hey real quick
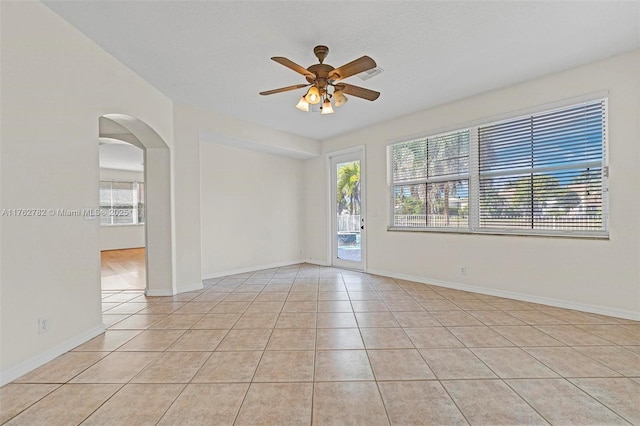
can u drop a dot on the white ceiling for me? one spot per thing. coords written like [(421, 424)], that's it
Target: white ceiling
[(215, 54), (116, 154)]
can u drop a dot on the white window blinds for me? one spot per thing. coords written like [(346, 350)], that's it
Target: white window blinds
[(544, 171), (430, 181), (121, 203)]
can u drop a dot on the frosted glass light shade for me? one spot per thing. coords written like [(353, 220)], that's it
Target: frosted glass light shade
[(326, 107), (303, 105), (313, 95), (339, 98)]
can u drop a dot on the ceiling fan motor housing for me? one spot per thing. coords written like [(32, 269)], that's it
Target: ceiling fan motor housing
[(321, 52), (321, 72)]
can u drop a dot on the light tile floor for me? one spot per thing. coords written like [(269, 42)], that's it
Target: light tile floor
[(312, 345)]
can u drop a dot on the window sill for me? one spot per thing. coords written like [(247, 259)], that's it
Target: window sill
[(595, 235), (437, 230), (115, 225)]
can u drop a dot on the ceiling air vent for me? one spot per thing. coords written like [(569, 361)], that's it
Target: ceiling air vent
[(366, 75)]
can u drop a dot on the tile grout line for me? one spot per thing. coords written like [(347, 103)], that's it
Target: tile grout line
[(456, 299)]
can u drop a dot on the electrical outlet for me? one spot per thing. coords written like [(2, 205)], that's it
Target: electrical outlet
[(43, 325), (462, 270)]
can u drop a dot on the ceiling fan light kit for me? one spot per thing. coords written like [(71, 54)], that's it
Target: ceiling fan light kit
[(326, 106), (313, 95), (339, 98), (303, 105), (326, 81)]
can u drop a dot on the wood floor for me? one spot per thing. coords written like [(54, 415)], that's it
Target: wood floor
[(123, 269)]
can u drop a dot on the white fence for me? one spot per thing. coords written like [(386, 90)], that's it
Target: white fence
[(563, 222), (348, 223), (431, 221), (351, 223), (560, 222)]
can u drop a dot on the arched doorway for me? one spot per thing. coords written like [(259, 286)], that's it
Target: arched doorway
[(157, 178), (122, 236)]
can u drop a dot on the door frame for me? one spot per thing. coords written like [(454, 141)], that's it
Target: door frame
[(331, 219)]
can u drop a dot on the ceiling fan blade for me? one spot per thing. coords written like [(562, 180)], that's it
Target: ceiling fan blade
[(362, 64), (357, 91), (292, 65), (284, 89)]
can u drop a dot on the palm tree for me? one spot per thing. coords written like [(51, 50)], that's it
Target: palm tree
[(443, 158), (348, 186)]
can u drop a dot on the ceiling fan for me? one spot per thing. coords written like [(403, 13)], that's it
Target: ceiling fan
[(326, 81)]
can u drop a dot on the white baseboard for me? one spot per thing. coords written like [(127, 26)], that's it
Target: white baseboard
[(39, 360), (252, 269), (193, 287), (158, 293), (317, 262), (161, 293), (559, 303)]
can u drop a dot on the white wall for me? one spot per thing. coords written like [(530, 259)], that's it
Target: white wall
[(602, 276), (190, 172), (121, 236), (55, 84), (251, 209), (123, 175)]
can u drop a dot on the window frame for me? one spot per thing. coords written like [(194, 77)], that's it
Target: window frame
[(428, 179), (474, 174)]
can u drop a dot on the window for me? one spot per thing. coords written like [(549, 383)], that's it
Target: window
[(121, 203), (543, 173), (430, 181)]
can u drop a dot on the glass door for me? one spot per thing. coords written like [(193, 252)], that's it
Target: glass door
[(347, 210)]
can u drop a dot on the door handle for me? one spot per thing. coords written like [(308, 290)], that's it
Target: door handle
[(362, 227)]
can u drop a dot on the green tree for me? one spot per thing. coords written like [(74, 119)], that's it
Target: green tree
[(541, 195), (446, 155), (569, 199), (348, 187), (409, 205)]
